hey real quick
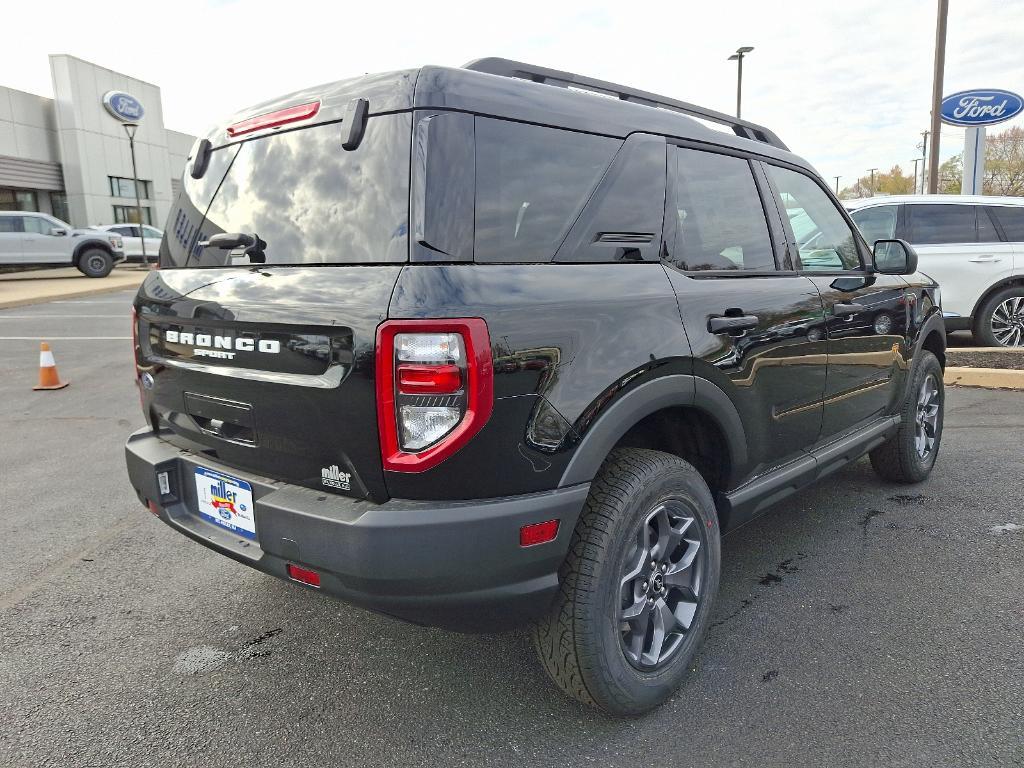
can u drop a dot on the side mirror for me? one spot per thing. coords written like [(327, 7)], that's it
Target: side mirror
[(58, 232), (895, 257)]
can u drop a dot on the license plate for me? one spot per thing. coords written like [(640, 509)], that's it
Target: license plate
[(226, 501)]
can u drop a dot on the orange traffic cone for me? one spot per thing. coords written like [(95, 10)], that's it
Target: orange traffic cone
[(48, 378)]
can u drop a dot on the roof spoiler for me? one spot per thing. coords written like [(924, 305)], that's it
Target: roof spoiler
[(522, 71)]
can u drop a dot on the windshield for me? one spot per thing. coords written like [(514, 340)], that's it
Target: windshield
[(303, 196)]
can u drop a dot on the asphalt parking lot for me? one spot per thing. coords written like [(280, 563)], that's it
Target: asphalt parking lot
[(859, 623)]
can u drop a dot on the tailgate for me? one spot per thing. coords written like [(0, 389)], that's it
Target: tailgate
[(269, 370)]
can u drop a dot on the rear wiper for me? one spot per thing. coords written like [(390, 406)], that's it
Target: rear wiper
[(254, 245)]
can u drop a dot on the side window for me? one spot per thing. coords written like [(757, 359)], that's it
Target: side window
[(720, 221), (531, 183), (37, 226), (153, 232), (824, 239), (934, 224), (1011, 219), (10, 224), (876, 223), (987, 232)]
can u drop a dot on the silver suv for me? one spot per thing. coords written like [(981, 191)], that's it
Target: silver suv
[(37, 239)]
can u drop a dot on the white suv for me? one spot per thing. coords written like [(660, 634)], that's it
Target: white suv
[(37, 239), (973, 246)]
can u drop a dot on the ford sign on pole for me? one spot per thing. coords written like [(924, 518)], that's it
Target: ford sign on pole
[(981, 107), (123, 106)]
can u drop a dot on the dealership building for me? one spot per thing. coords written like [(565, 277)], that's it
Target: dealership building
[(70, 156)]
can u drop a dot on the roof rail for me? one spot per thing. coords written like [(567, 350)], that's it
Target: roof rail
[(517, 69)]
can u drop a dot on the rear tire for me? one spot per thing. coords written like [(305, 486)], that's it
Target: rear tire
[(599, 641), (1000, 320), (95, 262), (909, 456)]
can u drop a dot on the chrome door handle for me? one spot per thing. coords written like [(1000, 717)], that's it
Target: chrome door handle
[(987, 258)]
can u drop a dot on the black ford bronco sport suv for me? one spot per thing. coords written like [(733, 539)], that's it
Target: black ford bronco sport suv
[(501, 344)]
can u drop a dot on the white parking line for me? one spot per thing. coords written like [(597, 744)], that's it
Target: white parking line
[(65, 338), (56, 317)]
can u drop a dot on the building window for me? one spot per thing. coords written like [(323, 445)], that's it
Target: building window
[(59, 206), (129, 214), (18, 200), (120, 187)]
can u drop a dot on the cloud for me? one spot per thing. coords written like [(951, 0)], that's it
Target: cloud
[(846, 85)]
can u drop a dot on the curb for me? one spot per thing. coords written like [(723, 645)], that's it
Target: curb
[(988, 378), (69, 293)]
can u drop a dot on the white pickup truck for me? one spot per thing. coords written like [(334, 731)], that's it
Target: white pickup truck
[(37, 239)]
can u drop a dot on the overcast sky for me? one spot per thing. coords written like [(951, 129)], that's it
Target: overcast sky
[(845, 83)]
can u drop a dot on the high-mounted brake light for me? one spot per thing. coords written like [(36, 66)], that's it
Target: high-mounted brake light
[(435, 389), (274, 119)]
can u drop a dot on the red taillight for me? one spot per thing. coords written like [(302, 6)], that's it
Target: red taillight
[(538, 533), (304, 575), (274, 119), (429, 379), (435, 389)]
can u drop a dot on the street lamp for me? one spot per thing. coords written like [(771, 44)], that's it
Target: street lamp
[(130, 129), (738, 58)]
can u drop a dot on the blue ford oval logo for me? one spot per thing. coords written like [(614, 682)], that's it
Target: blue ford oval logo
[(123, 106), (981, 107)]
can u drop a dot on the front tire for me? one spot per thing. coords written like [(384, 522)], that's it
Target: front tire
[(95, 263), (909, 456), (1000, 320), (637, 587)]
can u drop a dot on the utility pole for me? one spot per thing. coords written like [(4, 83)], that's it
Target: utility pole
[(940, 66), (872, 170), (130, 129), (738, 58), (837, 185), (924, 156)]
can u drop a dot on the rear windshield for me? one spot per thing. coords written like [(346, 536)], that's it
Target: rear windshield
[(308, 199)]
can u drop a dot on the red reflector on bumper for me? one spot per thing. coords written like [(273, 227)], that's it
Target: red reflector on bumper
[(153, 508), (538, 533), (304, 575)]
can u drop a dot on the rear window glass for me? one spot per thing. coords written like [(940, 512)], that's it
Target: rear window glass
[(308, 199), (936, 224), (531, 184), (1011, 220)]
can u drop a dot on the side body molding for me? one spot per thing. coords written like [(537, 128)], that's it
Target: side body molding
[(665, 392)]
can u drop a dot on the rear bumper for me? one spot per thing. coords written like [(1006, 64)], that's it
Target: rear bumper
[(456, 565)]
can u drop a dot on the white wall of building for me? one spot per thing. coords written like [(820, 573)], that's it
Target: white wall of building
[(94, 146), (27, 126)]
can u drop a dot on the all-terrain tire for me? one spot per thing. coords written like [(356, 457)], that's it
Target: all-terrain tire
[(95, 262), (899, 459), (579, 639)]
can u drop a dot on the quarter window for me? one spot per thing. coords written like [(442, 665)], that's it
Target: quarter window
[(531, 184), (720, 222), (825, 240), (933, 224), (878, 223)]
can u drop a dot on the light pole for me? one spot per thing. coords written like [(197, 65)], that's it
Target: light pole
[(130, 129), (738, 58), (872, 170), (916, 160), (837, 185)]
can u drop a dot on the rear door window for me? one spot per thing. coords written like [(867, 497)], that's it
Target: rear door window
[(720, 221), (531, 184), (307, 198), (10, 224), (937, 224), (876, 223)]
